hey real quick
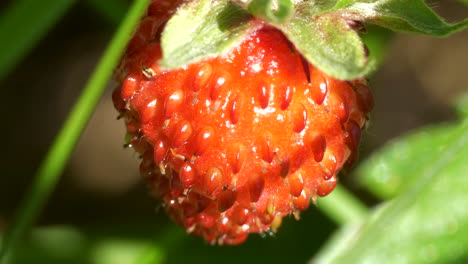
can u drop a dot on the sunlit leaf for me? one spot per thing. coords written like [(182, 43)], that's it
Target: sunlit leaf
[(428, 223), (389, 171), (271, 11), (413, 16), (202, 29), (462, 106), (329, 43)]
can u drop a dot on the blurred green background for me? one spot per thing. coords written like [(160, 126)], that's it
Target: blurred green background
[(101, 212)]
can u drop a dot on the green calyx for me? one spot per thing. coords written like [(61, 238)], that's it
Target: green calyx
[(203, 29), (267, 10), (322, 30)]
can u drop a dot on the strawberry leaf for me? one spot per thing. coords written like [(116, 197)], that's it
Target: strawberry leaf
[(401, 15), (201, 29), (23, 24), (111, 10), (462, 106), (272, 11), (428, 223), (391, 170), (330, 44), (377, 39)]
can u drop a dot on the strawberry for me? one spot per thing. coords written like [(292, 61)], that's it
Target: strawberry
[(234, 143)]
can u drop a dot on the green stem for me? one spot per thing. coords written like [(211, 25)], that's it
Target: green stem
[(51, 168), (342, 206)]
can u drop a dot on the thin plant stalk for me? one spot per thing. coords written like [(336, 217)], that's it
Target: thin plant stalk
[(342, 206), (54, 163)]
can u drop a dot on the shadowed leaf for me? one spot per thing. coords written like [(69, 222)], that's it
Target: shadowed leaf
[(23, 24)]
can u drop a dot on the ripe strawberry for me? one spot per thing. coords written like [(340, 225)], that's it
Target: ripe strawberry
[(235, 143)]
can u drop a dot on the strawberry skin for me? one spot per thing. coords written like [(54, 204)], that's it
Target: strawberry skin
[(233, 144)]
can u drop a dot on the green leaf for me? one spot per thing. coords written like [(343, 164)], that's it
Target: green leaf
[(393, 168), (329, 43), (426, 224), (135, 242), (272, 11), (112, 10), (377, 39), (201, 29), (401, 15), (462, 106), (316, 7), (23, 24), (52, 166), (125, 251)]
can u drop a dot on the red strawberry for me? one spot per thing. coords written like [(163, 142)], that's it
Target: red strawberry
[(235, 143)]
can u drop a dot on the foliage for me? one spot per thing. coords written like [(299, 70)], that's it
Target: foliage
[(426, 222), (319, 30), (421, 176)]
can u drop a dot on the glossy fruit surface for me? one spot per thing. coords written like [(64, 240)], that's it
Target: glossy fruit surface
[(235, 143)]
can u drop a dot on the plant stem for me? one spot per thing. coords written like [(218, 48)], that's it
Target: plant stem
[(52, 166), (342, 206)]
